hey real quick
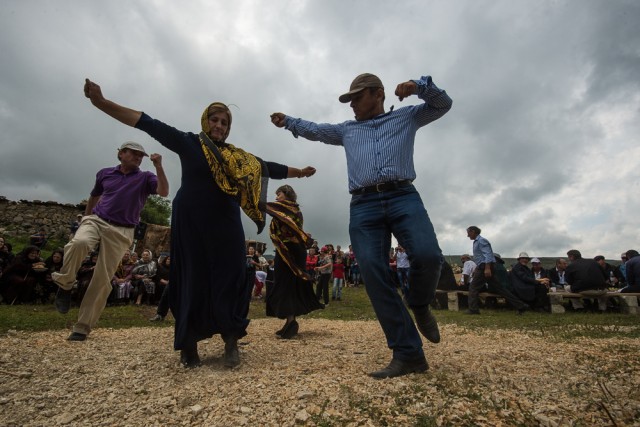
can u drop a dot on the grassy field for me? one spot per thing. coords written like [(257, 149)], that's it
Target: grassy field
[(355, 305)]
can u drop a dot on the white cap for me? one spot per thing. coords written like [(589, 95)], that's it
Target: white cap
[(133, 146)]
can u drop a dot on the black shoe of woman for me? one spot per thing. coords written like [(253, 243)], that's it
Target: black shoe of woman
[(290, 331), (281, 330), (231, 357), (189, 357)]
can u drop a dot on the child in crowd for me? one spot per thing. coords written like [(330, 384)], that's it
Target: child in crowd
[(338, 279)]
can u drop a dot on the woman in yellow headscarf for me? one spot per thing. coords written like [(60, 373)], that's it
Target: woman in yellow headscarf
[(208, 293)]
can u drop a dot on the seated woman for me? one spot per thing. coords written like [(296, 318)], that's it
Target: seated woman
[(84, 276), (161, 279), (143, 273), (121, 281), (19, 280), (47, 286), (5, 255)]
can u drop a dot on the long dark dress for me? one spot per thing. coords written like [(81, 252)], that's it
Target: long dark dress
[(290, 295), (207, 295)]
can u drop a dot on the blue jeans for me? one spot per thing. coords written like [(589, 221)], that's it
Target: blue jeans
[(403, 279), (373, 218), (337, 288)]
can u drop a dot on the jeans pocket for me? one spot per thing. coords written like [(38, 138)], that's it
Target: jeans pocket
[(355, 199)]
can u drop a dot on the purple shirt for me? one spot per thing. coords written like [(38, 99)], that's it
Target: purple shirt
[(122, 196)]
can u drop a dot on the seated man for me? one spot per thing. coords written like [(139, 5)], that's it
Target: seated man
[(608, 271), (38, 239), (468, 267), (632, 272), (556, 274), (620, 271), (75, 224), (539, 272), (529, 289), (585, 276)]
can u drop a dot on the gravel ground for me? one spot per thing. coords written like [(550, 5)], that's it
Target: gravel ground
[(489, 378)]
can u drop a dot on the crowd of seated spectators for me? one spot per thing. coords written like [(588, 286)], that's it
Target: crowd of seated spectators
[(25, 278), (590, 277)]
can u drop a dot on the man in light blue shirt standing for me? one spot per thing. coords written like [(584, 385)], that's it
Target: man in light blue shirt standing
[(379, 149), (485, 274)]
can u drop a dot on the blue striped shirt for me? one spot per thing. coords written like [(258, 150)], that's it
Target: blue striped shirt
[(482, 252), (379, 149)]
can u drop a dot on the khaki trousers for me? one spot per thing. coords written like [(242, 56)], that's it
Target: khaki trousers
[(114, 241)]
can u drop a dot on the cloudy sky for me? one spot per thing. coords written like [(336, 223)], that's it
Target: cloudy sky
[(541, 148)]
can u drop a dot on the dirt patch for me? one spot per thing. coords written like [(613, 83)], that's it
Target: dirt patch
[(132, 378)]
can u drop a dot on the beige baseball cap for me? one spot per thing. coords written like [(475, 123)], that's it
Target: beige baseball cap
[(361, 82)]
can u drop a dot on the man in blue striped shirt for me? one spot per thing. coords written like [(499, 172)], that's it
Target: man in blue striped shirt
[(379, 149)]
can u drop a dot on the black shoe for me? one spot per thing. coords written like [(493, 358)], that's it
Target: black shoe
[(522, 309), (281, 330), (231, 353), (291, 330), (190, 358), (63, 301), (401, 367), (157, 318), (472, 312), (77, 336), (427, 324)]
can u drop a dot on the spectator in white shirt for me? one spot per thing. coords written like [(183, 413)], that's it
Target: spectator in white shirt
[(468, 267)]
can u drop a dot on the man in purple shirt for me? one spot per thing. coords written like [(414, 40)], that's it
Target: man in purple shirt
[(112, 212)]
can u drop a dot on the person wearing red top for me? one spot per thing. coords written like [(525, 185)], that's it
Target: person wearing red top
[(312, 262), (338, 279)]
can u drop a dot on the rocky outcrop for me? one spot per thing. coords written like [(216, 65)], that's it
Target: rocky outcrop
[(27, 217)]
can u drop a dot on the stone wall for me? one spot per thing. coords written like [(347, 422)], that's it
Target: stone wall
[(27, 217), (156, 238)]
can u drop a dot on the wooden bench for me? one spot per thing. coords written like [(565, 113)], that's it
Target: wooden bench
[(628, 301), (453, 298)]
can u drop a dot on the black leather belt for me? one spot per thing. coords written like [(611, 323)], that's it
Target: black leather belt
[(383, 186), (117, 224)]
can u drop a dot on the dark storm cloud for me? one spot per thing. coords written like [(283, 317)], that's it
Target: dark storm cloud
[(546, 100)]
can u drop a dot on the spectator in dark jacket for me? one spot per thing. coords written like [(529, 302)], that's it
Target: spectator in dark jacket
[(633, 272), (585, 276), (529, 289), (608, 270), (557, 274)]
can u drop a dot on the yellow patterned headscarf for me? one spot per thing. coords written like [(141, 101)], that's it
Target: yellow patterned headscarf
[(235, 171)]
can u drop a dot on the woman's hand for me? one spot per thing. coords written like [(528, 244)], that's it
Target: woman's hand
[(93, 92)]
